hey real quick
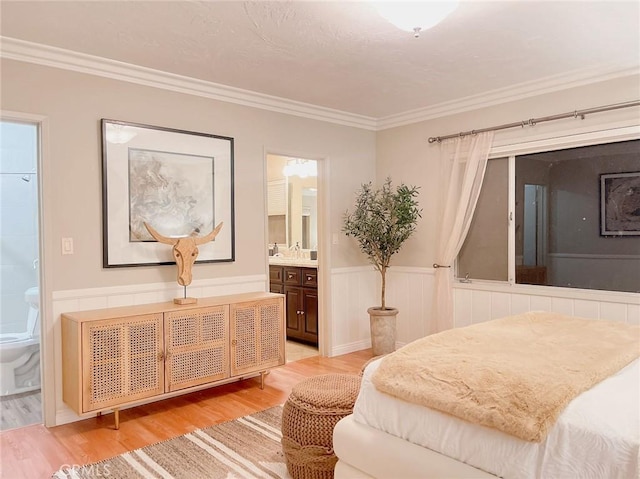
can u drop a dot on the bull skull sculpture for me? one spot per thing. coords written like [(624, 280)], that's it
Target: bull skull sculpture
[(185, 250)]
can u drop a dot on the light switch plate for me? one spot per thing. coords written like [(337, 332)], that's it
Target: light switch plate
[(67, 245)]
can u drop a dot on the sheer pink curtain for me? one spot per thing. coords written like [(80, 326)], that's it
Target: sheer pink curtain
[(463, 163)]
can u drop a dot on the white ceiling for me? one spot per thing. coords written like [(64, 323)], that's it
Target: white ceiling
[(342, 55)]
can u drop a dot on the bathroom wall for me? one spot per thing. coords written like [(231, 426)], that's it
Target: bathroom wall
[(18, 222)]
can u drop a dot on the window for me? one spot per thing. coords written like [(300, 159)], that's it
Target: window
[(568, 218), (484, 254)]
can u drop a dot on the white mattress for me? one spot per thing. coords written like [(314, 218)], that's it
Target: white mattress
[(596, 436)]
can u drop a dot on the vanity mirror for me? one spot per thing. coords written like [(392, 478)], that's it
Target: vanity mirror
[(292, 202)]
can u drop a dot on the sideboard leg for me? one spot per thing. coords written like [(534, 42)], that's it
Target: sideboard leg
[(263, 374), (99, 414), (116, 417)]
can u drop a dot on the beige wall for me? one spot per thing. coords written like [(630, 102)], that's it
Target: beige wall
[(74, 103), (405, 154)]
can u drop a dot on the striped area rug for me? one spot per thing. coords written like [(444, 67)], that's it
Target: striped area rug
[(248, 447)]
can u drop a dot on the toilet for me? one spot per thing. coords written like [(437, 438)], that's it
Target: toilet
[(20, 352)]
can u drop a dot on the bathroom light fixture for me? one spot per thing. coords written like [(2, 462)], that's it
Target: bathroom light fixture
[(300, 167), (415, 16), (119, 134)]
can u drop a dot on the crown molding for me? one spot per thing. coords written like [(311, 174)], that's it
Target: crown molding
[(520, 91), (21, 50)]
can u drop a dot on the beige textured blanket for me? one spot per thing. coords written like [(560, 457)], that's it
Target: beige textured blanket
[(515, 374)]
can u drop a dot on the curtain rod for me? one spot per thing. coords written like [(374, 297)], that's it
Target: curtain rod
[(533, 121)]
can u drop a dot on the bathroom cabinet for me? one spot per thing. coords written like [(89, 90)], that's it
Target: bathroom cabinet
[(276, 275), (124, 356), (300, 287)]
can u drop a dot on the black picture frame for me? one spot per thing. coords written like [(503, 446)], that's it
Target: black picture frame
[(620, 204), (181, 182)]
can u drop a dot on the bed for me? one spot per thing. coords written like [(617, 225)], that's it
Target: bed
[(597, 435)]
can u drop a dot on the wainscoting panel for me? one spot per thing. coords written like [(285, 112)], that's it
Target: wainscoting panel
[(410, 290), (481, 302), (520, 303), (354, 290), (614, 311), (586, 309), (478, 302), (540, 303), (562, 306), (633, 313), (463, 307)]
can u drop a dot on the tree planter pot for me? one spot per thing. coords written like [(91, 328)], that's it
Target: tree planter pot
[(383, 330)]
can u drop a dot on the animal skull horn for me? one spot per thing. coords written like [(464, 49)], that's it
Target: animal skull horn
[(210, 237), (185, 250)]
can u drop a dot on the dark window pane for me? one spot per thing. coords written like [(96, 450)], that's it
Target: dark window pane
[(484, 254), (559, 241)]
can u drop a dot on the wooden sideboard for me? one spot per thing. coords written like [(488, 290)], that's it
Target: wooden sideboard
[(123, 356), (300, 287)]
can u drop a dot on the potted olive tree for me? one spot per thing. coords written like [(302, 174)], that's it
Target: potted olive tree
[(382, 220)]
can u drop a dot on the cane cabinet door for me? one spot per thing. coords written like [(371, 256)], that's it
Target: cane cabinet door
[(197, 346), (122, 360), (257, 335)]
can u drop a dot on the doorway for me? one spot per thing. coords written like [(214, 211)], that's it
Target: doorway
[(20, 375), (292, 218)]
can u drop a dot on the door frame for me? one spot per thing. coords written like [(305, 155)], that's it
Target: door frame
[(47, 340), (324, 243)]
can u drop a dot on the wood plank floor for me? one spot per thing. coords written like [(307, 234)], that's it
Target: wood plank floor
[(297, 351), (19, 410), (37, 451)]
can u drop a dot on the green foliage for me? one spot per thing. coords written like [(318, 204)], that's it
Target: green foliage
[(382, 220)]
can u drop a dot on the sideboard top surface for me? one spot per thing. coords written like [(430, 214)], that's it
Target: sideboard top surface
[(165, 307)]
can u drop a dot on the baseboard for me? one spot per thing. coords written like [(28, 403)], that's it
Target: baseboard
[(350, 347)]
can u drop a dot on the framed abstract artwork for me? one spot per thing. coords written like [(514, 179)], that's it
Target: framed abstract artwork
[(620, 204), (179, 182)]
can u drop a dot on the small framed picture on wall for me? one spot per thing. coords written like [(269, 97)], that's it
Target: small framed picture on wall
[(620, 204)]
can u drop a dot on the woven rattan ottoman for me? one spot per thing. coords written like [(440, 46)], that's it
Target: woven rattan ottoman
[(314, 407)]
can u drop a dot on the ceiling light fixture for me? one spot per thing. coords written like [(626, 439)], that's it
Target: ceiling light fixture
[(301, 168), (415, 16)]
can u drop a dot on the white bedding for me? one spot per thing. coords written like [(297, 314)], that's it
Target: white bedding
[(596, 436)]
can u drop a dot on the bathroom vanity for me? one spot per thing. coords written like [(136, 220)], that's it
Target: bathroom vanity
[(298, 281)]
